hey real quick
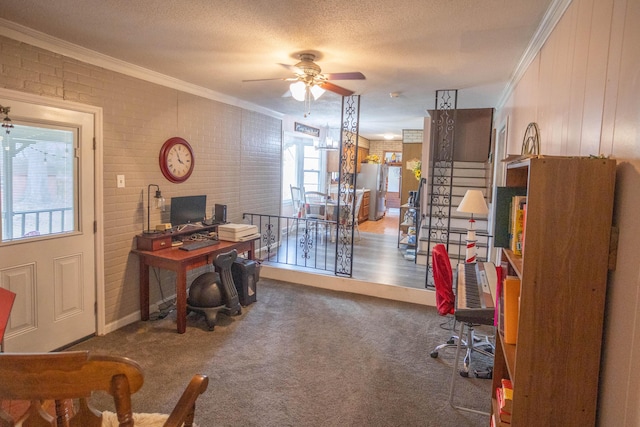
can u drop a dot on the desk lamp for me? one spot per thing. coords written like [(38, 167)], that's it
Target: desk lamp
[(473, 203), (159, 204)]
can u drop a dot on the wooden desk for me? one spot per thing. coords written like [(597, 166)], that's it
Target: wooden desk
[(181, 261)]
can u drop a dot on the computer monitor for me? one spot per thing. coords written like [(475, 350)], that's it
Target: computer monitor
[(188, 209)]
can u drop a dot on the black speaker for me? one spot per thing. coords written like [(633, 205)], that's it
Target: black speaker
[(220, 214), (246, 274)]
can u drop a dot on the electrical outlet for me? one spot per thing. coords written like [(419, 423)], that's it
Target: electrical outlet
[(120, 179)]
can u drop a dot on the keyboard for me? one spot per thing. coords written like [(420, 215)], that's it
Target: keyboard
[(474, 302), (198, 244)]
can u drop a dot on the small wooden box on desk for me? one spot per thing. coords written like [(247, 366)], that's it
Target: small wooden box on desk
[(162, 239), (555, 363)]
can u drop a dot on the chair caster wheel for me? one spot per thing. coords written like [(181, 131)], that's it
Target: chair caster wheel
[(451, 341), (434, 354), (487, 375), (464, 374)]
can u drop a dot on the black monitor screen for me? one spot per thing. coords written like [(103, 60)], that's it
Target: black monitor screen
[(188, 209)]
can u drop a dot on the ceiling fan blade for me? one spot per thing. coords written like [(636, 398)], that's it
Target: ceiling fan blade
[(264, 80), (356, 75), (335, 88), (291, 68)]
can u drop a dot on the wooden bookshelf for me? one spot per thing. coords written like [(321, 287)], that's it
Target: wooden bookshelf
[(555, 364)]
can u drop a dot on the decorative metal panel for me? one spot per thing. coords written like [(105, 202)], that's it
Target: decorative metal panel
[(347, 184), (441, 173)]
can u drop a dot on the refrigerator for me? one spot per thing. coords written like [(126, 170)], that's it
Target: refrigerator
[(374, 177)]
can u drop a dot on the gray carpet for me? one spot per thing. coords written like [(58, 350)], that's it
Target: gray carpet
[(303, 356)]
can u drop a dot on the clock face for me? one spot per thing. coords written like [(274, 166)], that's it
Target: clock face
[(176, 159)]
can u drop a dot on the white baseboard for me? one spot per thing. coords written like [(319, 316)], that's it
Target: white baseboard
[(345, 284)]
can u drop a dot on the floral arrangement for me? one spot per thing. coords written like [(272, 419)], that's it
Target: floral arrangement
[(372, 158), (417, 170)]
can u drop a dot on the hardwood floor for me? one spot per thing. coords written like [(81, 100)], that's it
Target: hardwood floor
[(378, 259)]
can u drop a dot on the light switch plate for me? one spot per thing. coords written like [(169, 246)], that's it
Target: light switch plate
[(120, 179)]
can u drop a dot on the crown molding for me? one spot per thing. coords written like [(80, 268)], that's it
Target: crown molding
[(36, 38), (549, 21)]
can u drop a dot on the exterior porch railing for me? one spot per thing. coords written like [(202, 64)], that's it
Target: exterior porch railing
[(37, 222)]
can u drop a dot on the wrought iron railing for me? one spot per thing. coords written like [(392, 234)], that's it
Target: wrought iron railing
[(301, 242), (37, 222)]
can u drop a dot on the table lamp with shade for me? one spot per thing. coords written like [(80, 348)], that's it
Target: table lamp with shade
[(473, 202)]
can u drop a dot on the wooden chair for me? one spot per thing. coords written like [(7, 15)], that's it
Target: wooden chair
[(316, 208), (349, 212), (71, 377), (6, 303), (316, 204), (297, 200), (356, 210)]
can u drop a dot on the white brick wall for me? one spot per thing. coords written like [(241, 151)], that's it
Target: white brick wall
[(380, 146), (237, 153)]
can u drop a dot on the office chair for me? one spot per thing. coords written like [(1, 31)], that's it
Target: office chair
[(214, 292), (446, 303), (445, 298)]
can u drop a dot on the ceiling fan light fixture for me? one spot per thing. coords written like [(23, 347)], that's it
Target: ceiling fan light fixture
[(316, 91), (298, 90)]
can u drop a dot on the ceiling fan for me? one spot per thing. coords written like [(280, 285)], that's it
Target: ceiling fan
[(309, 81)]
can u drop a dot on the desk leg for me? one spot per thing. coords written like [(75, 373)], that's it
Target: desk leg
[(251, 250), (144, 290), (181, 300)]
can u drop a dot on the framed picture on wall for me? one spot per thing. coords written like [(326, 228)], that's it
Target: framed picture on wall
[(391, 157)]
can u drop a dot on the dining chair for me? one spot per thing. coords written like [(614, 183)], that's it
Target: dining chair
[(316, 204), (316, 208), (356, 210), (6, 303), (297, 200), (346, 218)]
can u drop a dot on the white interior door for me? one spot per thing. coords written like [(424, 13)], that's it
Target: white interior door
[(47, 250)]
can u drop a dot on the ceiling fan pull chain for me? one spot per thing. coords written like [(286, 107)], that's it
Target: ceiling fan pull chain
[(307, 102)]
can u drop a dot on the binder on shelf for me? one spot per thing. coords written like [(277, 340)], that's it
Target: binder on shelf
[(511, 298)]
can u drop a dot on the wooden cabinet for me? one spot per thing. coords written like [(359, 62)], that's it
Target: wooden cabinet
[(362, 154), (408, 181), (363, 214), (333, 159), (555, 362)]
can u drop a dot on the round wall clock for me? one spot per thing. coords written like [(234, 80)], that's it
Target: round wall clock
[(176, 159)]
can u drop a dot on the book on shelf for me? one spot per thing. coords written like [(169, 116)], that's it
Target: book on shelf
[(504, 397), (517, 223), (507, 389), (524, 226), (504, 415), (511, 308)]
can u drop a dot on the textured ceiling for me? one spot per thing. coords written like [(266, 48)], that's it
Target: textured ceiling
[(409, 47)]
